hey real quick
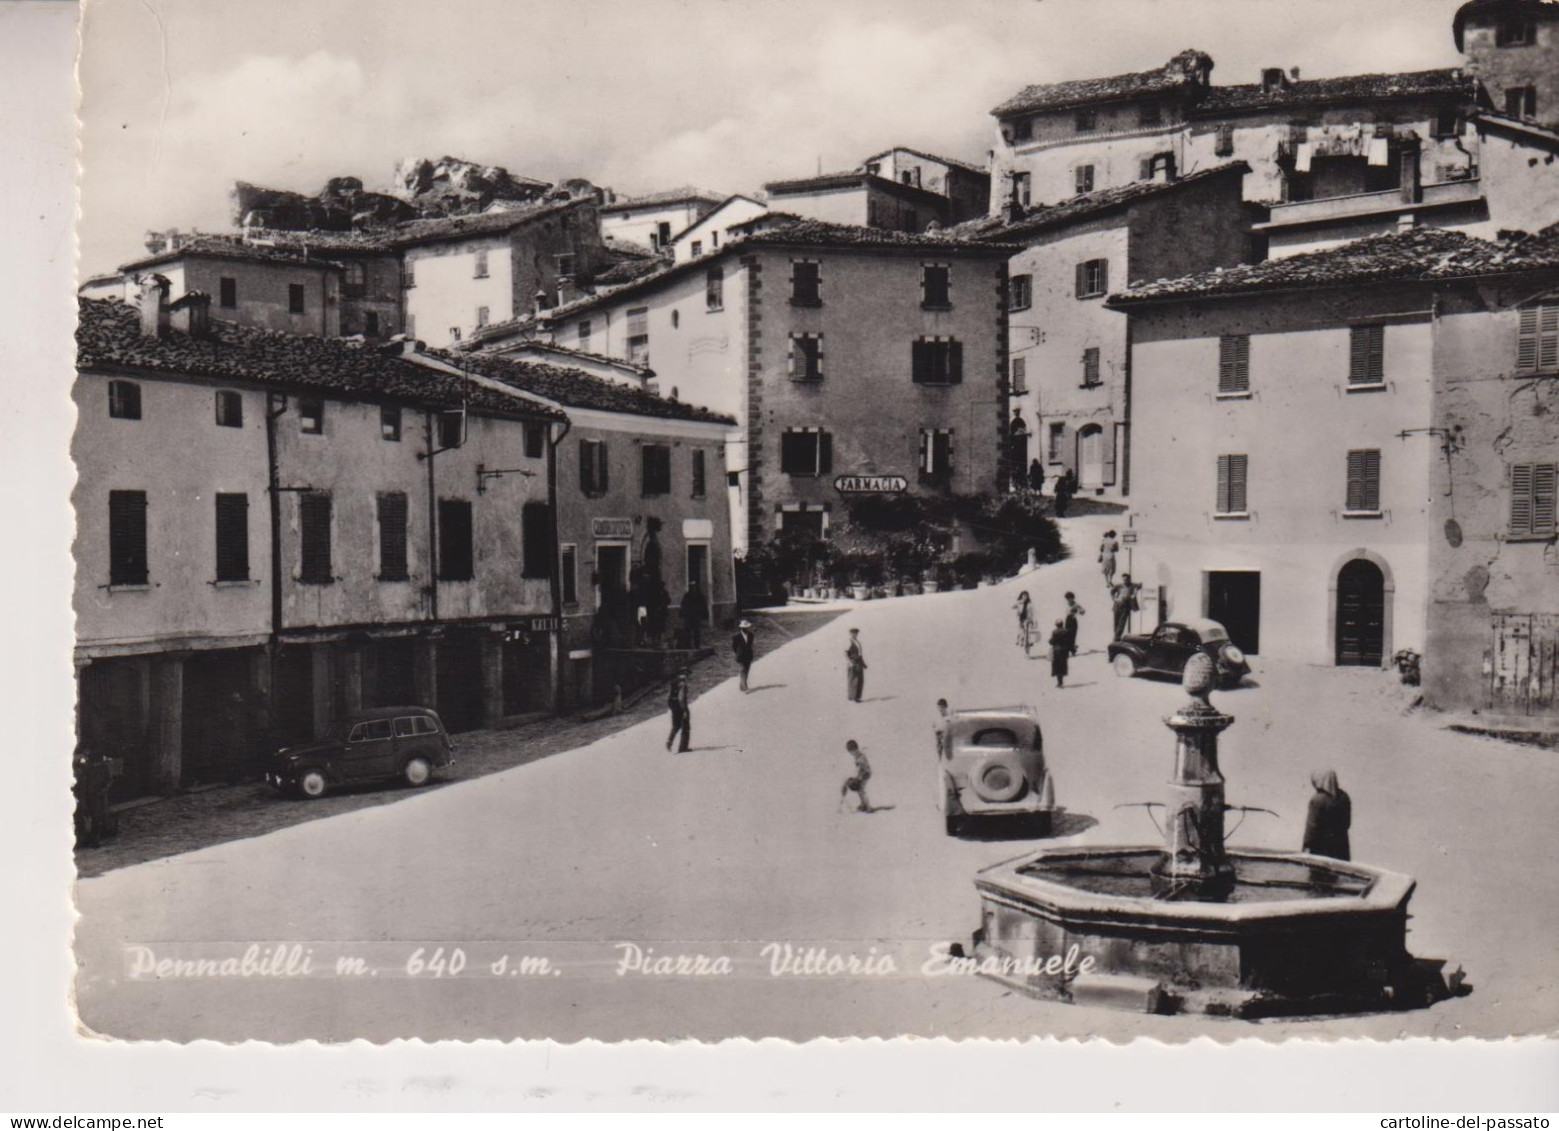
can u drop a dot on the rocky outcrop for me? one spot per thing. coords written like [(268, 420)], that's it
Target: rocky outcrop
[(450, 186), (343, 205)]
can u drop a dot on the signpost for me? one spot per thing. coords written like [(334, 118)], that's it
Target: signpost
[(871, 484)]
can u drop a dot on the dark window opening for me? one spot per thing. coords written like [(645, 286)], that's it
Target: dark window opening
[(806, 452), (570, 575), (295, 301), (535, 439), (536, 551), (936, 286), (593, 479), (390, 422), (311, 415), (456, 557), (806, 357), (655, 469), (451, 427), (124, 400), (230, 409), (371, 324), (127, 538), (699, 473), (806, 283), (314, 529), (1087, 120), (227, 292), (392, 537), (937, 361), (232, 537)]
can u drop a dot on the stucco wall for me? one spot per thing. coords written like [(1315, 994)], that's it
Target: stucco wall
[(181, 602), (836, 206), (641, 224), (381, 295), (1116, 149), (714, 229), (1520, 182), (1478, 572), (1535, 64), (263, 293), (448, 292), (1296, 535)]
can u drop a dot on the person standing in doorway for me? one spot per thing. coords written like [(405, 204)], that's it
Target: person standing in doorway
[(681, 712), (1123, 599), (1073, 611), (1063, 492), (1108, 549), (692, 612), (857, 781), (742, 647), (1329, 818), (855, 677), (1060, 650), (1036, 476)]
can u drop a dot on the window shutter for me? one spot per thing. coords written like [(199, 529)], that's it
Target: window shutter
[(392, 536), (1104, 276), (790, 359), (1538, 342), (955, 362), (1234, 363), (586, 468), (1372, 480), (925, 450), (314, 528), (1544, 476), (603, 467), (1082, 279), (920, 358), (825, 453), (1223, 485), (1145, 172), (788, 453), (1521, 499), (127, 538), (1358, 356), (1363, 480), (1237, 477), (232, 515)]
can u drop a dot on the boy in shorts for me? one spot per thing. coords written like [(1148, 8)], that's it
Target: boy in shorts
[(857, 782)]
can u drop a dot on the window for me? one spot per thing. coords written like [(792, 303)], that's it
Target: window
[(584, 334), (1234, 365), (1537, 341), (1521, 102), (1054, 441), (392, 536), (456, 560), (570, 558), (454, 333), (1020, 376), (1091, 367), (806, 451), (1232, 475), (1093, 278), (1087, 120), (714, 288), (536, 549), (1023, 129), (806, 357), (911, 220), (124, 400), (311, 415), (409, 275), (354, 279), (390, 422), (1149, 114), (700, 473), (1363, 482), (127, 538), (936, 286), (1159, 163), (1020, 292), (937, 361), (232, 537), (227, 292), (676, 319), (371, 324), (451, 427), (1447, 122), (483, 316), (698, 248), (408, 725), (806, 283), (663, 230), (481, 264), (1366, 355), (936, 455), (314, 566), (1515, 33), (593, 466), (566, 264), (1082, 178), (655, 469), (1532, 488), (1022, 188), (535, 439), (375, 730), (714, 239), (639, 335), (230, 408), (1223, 144), (295, 302)]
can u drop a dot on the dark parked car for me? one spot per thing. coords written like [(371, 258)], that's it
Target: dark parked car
[(387, 742), (1166, 650)]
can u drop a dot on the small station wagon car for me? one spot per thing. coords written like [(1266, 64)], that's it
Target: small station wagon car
[(1166, 650), (386, 742), (992, 763)]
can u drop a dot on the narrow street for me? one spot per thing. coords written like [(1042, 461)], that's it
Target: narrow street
[(741, 841)]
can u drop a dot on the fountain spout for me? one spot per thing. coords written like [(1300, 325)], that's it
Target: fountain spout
[(1195, 864)]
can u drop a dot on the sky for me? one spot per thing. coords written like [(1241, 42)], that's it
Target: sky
[(181, 98)]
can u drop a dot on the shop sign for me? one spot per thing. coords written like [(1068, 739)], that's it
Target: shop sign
[(618, 528), (871, 484)]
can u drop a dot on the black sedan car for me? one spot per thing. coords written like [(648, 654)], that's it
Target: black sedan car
[(1166, 650), (408, 743)]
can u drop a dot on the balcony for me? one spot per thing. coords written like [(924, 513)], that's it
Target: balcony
[(1468, 193)]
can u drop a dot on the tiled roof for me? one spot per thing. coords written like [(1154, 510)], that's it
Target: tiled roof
[(841, 179), (628, 249), (667, 196), (228, 247), (108, 335), (952, 161), (1174, 75), (1421, 255), (1347, 89), (574, 388), (480, 224), (564, 353), (320, 241), (627, 270), (1046, 216)]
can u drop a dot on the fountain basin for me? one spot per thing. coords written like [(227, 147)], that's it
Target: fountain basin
[(1296, 934)]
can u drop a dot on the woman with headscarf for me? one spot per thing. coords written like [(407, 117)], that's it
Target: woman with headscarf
[(1060, 651), (1330, 815)]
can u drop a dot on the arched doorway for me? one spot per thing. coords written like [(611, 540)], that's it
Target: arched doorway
[(1361, 614), (1090, 456)]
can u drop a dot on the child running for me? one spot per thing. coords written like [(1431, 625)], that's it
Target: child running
[(857, 782)]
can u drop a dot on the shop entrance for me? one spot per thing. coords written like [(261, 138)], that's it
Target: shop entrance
[(1234, 601)]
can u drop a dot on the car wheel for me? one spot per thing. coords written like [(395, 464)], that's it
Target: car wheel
[(313, 783), (1124, 666), (417, 771)]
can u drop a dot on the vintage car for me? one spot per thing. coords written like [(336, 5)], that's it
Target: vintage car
[(408, 743), (1166, 649), (992, 763)]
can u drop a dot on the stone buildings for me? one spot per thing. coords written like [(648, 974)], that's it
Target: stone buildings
[(899, 189), (855, 359), (655, 219)]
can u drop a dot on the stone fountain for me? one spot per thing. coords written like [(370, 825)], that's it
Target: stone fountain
[(1191, 926)]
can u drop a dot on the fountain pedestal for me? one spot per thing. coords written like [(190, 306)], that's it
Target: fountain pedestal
[(1195, 863)]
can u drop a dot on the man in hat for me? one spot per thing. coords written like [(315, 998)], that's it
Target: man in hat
[(855, 679), (742, 646), (681, 711)]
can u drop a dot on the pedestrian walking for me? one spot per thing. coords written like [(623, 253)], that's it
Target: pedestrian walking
[(1330, 815), (857, 781), (855, 679), (1108, 549), (742, 647), (692, 612), (940, 727), (1025, 610), (1060, 650), (1123, 599), (681, 712), (1064, 489), (1036, 476), (1073, 611)]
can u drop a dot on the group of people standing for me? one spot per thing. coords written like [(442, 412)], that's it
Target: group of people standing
[(1063, 638), (1064, 488)]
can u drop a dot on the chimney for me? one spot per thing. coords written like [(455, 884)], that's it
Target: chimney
[(569, 289), (154, 306), (1273, 78), (542, 302), (1293, 74), (192, 314), (1412, 191)]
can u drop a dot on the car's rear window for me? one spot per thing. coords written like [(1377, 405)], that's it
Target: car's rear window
[(369, 731), (414, 724), (994, 736)]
